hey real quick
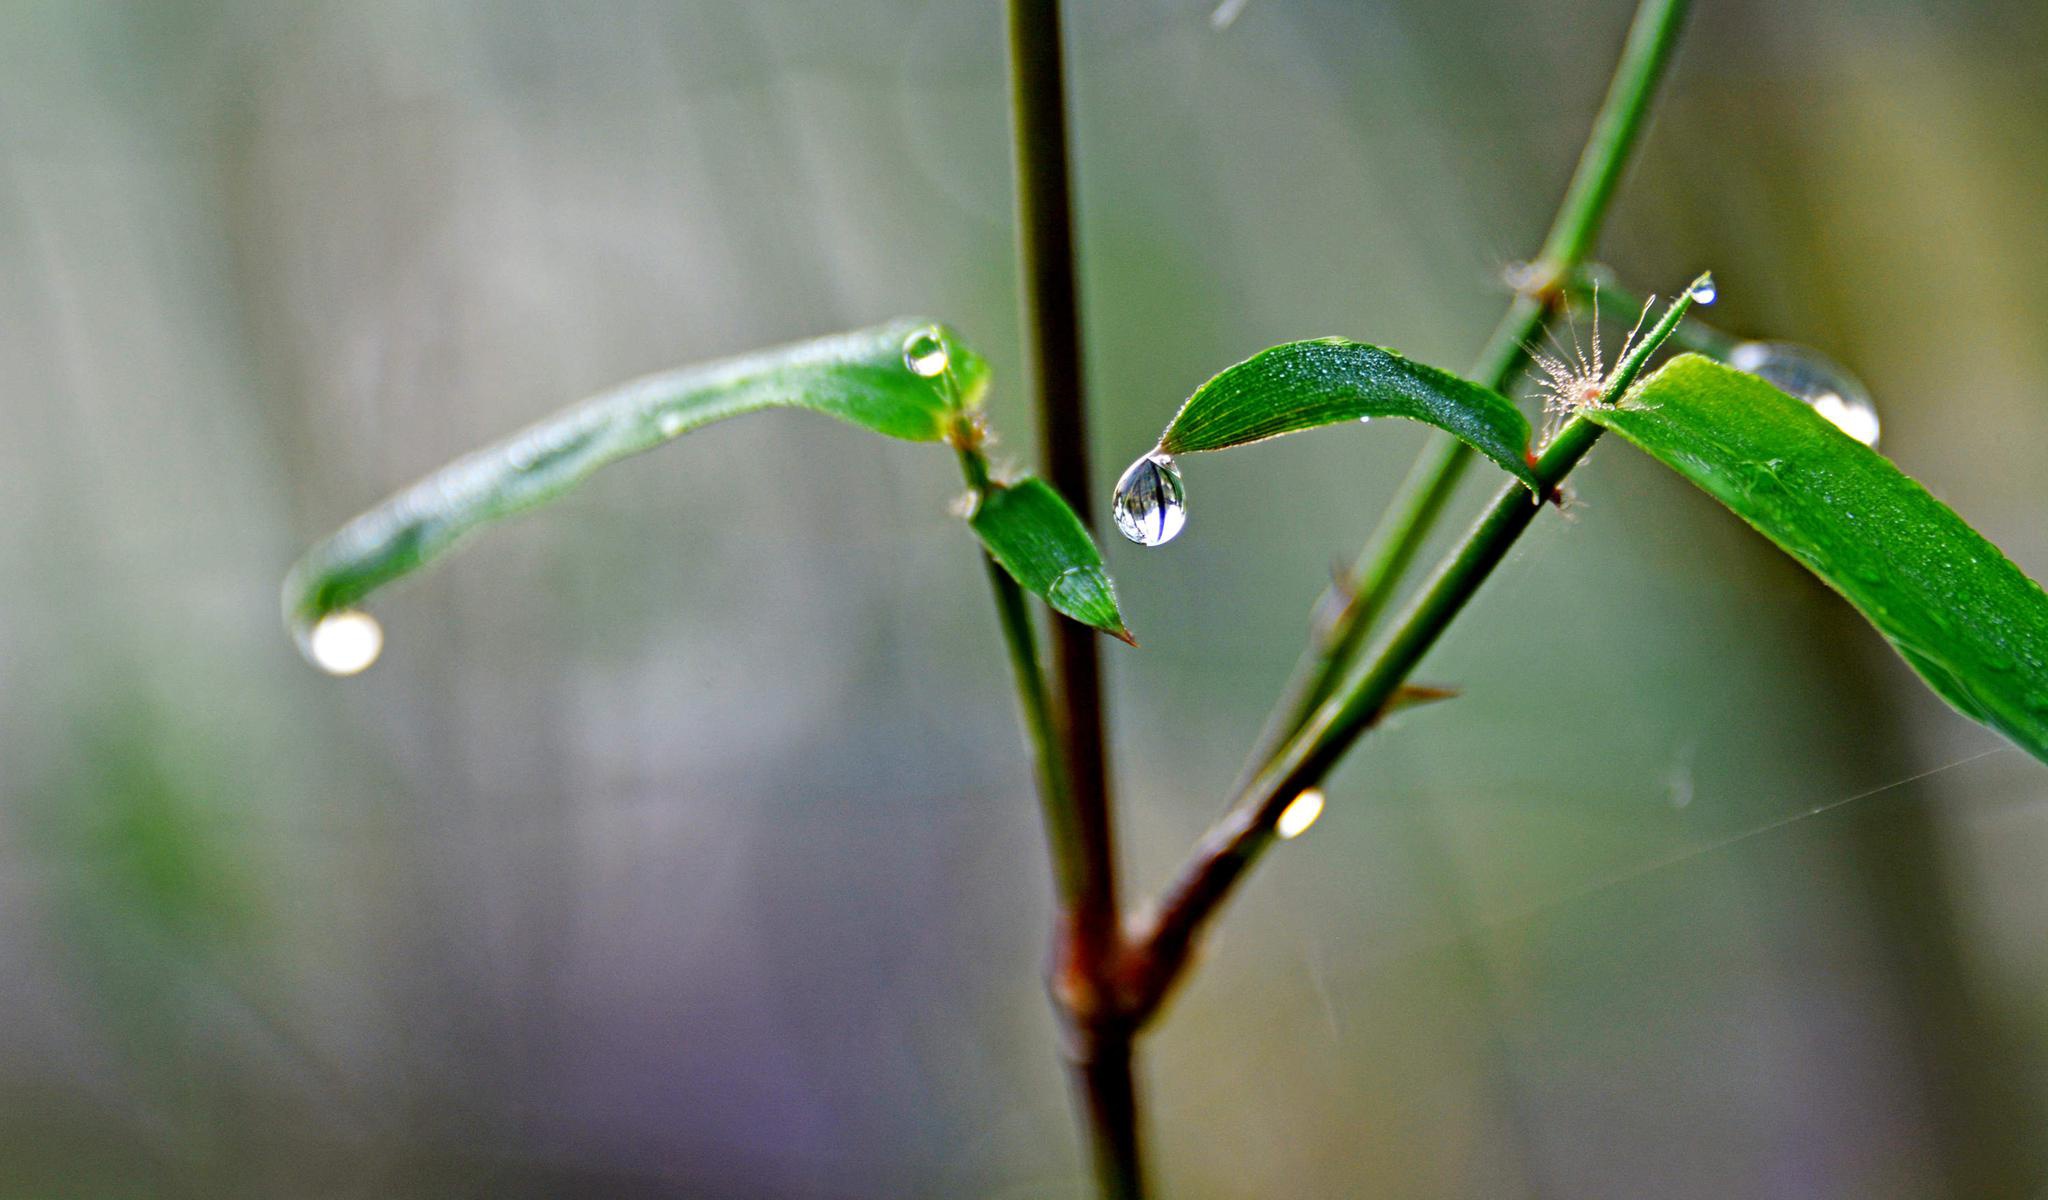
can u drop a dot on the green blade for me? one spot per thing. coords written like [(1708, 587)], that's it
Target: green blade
[(1969, 621), (1031, 531), (857, 377), (1303, 385)]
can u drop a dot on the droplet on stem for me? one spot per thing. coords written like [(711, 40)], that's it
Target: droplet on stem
[(345, 642), (1300, 813), (924, 352), (1702, 290), (1150, 504), (1807, 374)]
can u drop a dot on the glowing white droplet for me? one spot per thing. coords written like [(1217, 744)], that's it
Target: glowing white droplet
[(1702, 290), (345, 643), (1859, 421), (1300, 813), (670, 423), (1150, 504), (924, 352), (1807, 374)]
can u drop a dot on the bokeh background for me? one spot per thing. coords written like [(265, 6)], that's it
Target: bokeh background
[(682, 843)]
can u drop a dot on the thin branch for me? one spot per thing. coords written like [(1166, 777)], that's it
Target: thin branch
[(1357, 603), (1089, 940), (1052, 321), (1013, 613), (1169, 930)]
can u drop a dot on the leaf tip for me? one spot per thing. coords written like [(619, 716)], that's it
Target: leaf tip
[(1414, 695)]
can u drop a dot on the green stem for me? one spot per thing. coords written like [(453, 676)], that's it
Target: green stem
[(1034, 706), (1247, 828), (1089, 939), (1415, 510), (1651, 39)]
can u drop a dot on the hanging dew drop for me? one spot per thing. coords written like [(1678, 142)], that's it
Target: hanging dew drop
[(670, 423), (924, 352), (1807, 374), (1702, 290), (1151, 504), (345, 643)]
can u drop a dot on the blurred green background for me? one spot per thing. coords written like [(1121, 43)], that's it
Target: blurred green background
[(682, 843)]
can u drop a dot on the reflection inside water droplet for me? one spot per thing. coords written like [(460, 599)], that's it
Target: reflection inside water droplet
[(1702, 290), (670, 423), (924, 352), (1807, 374), (1300, 813), (1150, 505), (345, 643)]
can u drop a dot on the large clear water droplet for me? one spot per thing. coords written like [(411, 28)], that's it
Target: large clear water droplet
[(924, 352), (345, 643), (1150, 504), (1702, 290), (1807, 374)]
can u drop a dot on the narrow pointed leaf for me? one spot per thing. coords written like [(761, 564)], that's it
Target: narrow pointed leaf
[(1032, 532), (1968, 620), (1303, 385), (857, 377)]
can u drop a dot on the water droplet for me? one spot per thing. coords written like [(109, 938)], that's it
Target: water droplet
[(1365, 420), (345, 642), (1300, 813), (1809, 375), (670, 423), (1150, 504), (924, 352), (1702, 290)]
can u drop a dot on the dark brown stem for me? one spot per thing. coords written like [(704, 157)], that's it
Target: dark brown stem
[(1088, 935)]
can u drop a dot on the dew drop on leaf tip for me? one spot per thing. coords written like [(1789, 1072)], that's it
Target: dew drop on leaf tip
[(1702, 290), (924, 352), (1150, 504), (1808, 375), (345, 642)]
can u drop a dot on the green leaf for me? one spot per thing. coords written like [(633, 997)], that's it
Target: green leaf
[(857, 377), (1031, 531), (1303, 385), (1969, 621)]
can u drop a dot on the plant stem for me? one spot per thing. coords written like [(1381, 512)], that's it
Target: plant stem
[(1415, 510), (1013, 613), (1089, 940), (1161, 947)]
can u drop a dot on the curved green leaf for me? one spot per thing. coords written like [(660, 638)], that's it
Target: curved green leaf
[(1969, 621), (1029, 529), (857, 377), (1303, 385)]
